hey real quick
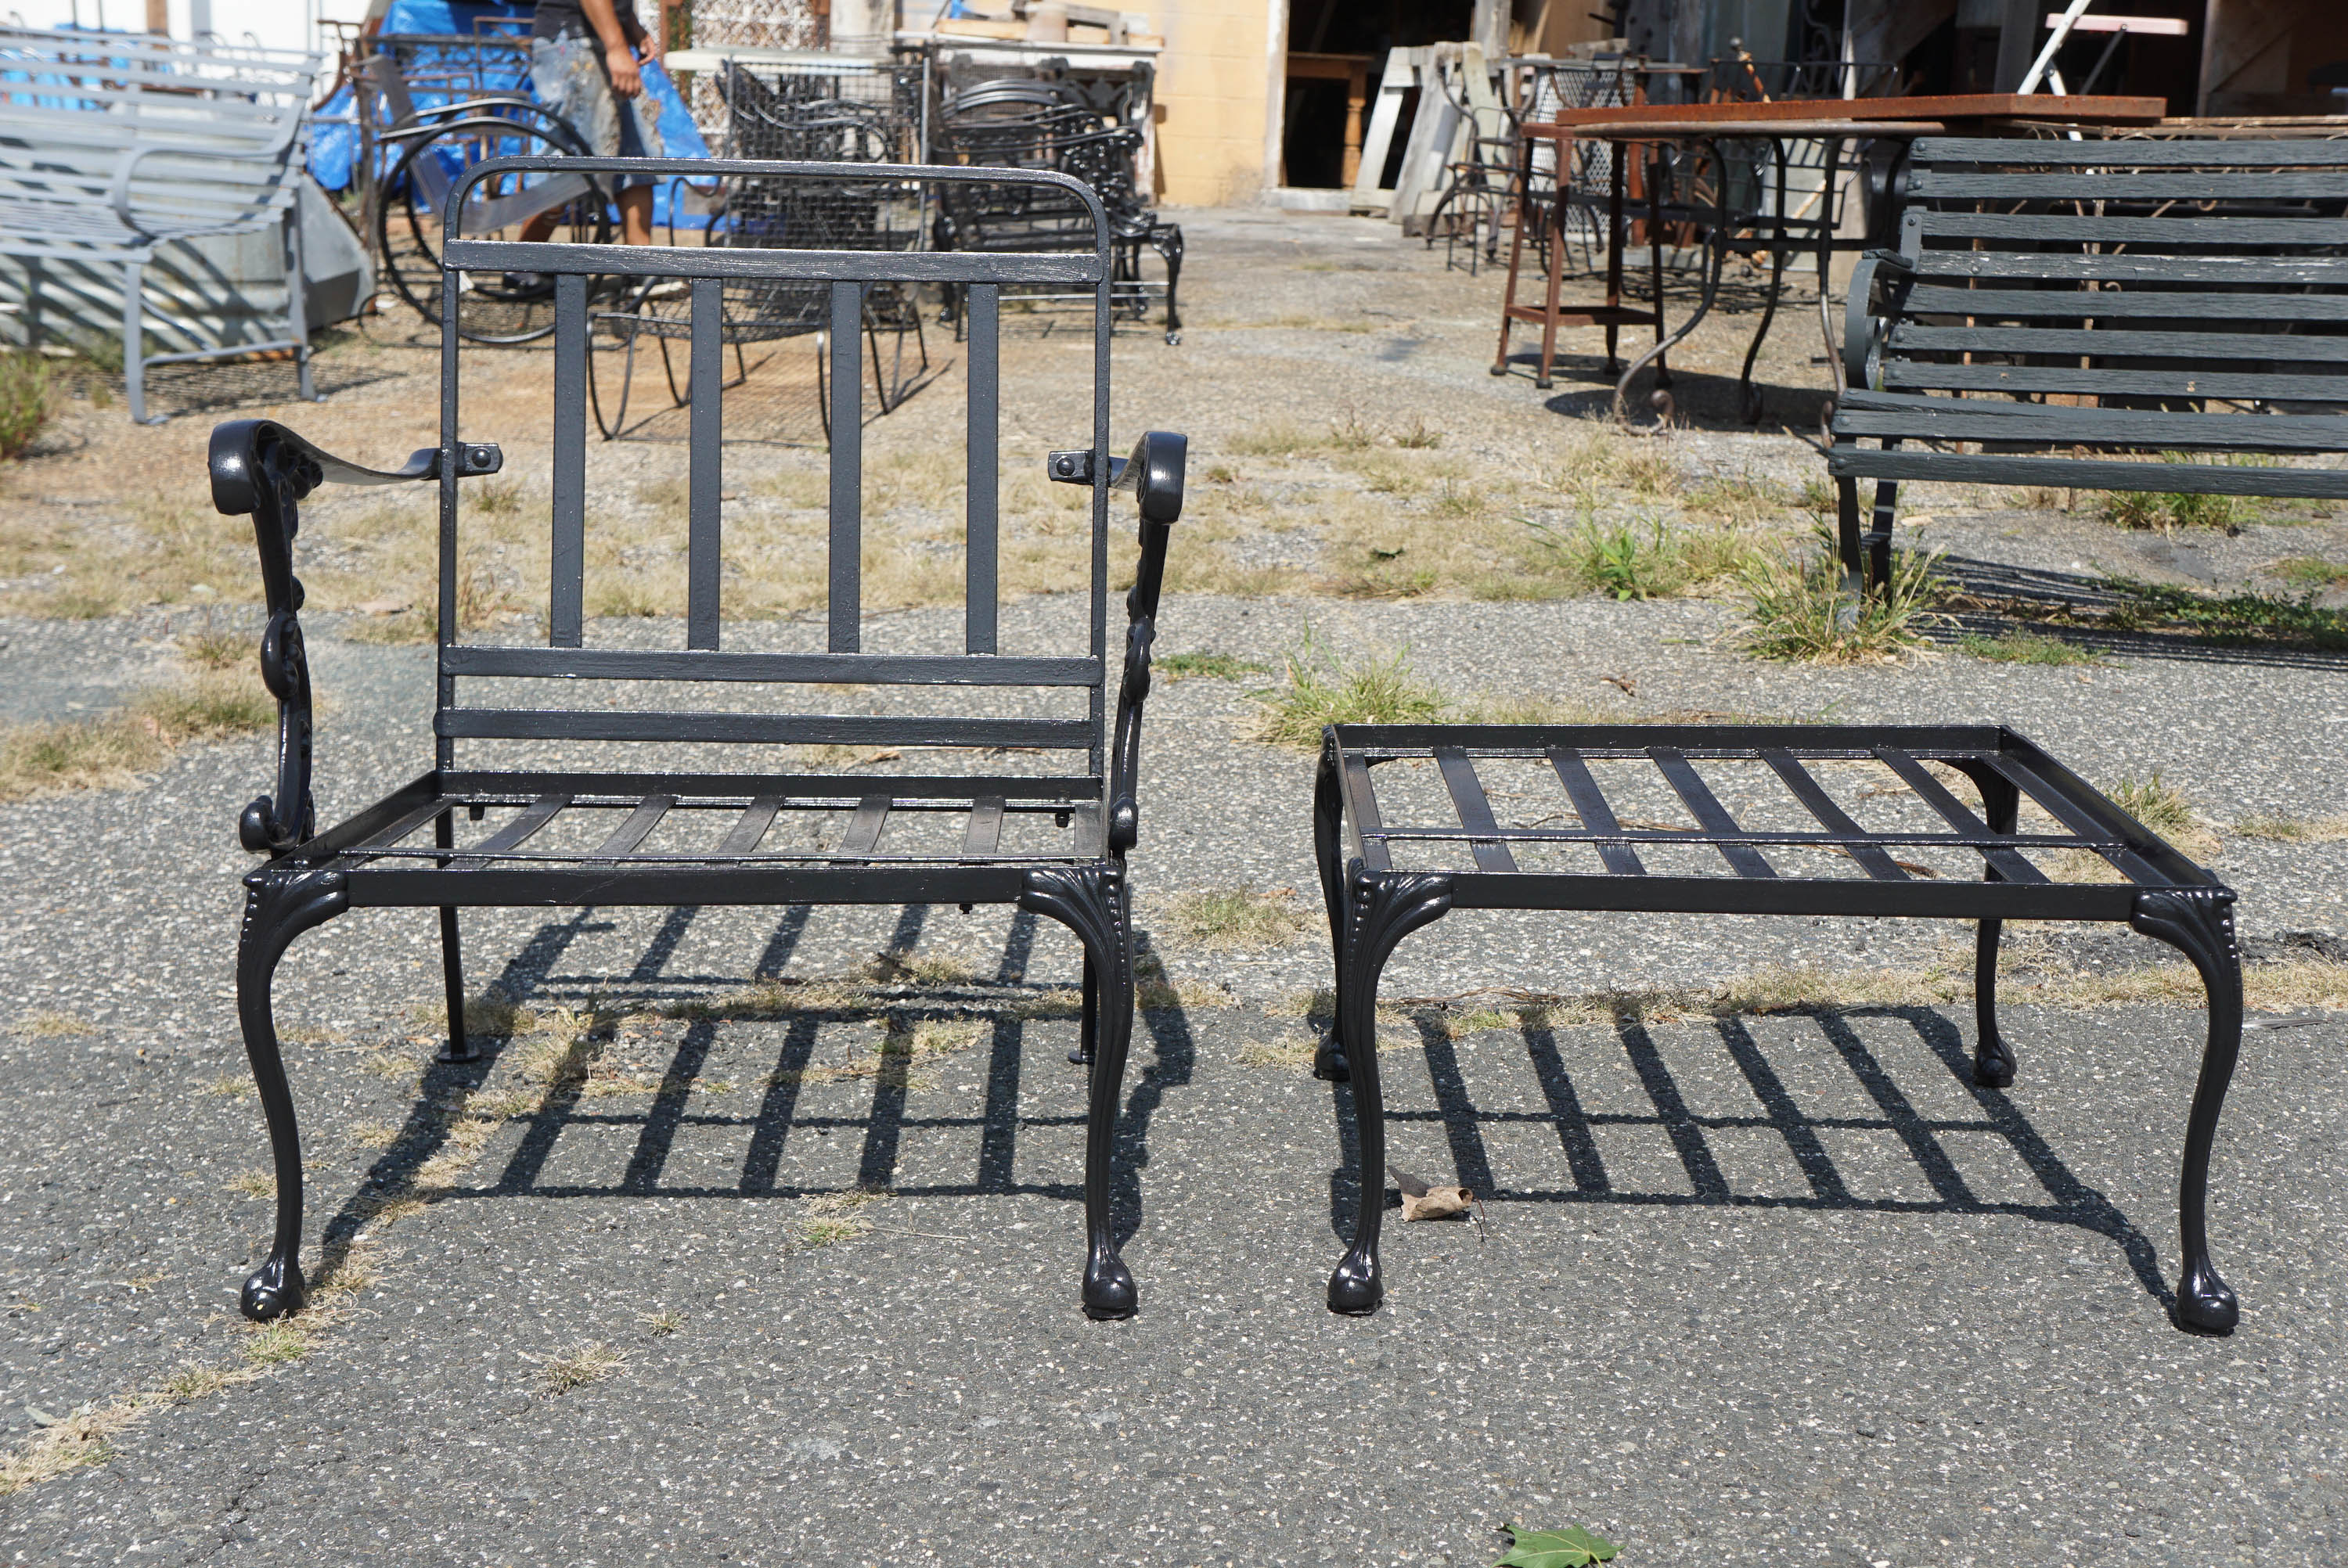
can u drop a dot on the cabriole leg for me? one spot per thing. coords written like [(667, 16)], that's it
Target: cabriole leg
[(1328, 821), (1993, 1057), (278, 908), (1091, 901), (1383, 908), (1088, 1029), (2199, 923)]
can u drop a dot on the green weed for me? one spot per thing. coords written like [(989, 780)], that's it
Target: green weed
[(1322, 690), (1801, 612)]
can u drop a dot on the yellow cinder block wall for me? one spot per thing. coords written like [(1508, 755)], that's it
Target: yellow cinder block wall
[(1214, 87)]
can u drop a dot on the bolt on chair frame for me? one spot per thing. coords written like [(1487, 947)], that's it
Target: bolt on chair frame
[(1077, 874)]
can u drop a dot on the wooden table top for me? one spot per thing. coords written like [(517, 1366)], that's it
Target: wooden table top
[(1673, 129), (2100, 109)]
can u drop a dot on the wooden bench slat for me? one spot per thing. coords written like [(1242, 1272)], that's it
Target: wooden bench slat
[(1909, 337), (2129, 266), (2223, 232), (1943, 183), (2245, 385), (2089, 474), (2110, 304), (1590, 804), (1988, 419), (1941, 150), (1475, 809)]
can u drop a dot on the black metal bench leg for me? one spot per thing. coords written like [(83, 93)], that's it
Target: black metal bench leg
[(1171, 253), (1994, 1060), (278, 908), (1328, 821), (1088, 1029), (1382, 910), (1878, 536), (2199, 923), (1091, 902), (1847, 547), (457, 1047)]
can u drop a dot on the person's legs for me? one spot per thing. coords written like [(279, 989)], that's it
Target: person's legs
[(636, 215)]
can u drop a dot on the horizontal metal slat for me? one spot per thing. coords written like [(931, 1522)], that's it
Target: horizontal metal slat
[(844, 729), (830, 669), (697, 791), (760, 265)]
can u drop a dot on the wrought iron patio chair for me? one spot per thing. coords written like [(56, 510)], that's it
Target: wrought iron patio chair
[(1050, 837)]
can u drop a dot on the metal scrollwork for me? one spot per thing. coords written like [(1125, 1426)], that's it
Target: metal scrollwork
[(281, 476)]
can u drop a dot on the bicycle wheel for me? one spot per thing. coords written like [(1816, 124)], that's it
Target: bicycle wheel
[(498, 308)]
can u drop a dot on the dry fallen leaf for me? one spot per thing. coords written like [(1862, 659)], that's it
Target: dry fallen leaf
[(1421, 1202)]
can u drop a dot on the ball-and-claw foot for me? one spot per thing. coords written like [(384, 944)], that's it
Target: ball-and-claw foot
[(1355, 1289), (274, 1290), (2205, 1302), (1993, 1063), (1108, 1290), (1329, 1064)]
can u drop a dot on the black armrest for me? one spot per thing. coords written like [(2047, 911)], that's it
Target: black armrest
[(1861, 327), (261, 469), (1153, 475)]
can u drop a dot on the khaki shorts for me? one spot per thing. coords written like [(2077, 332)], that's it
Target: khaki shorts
[(569, 76)]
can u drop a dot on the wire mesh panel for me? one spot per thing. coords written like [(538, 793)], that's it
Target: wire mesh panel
[(1036, 126), (844, 111)]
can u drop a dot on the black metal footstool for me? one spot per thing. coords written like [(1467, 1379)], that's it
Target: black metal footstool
[(1587, 849)]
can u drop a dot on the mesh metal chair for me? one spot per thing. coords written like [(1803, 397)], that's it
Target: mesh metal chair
[(1049, 835)]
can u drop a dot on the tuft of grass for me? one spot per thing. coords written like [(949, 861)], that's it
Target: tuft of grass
[(275, 1344), (660, 1325), (57, 1026), (230, 1086), (2293, 829), (1660, 563), (2146, 509), (374, 1135), (1801, 612), (495, 497), (2159, 806), (1279, 439), (2027, 647), (26, 400), (1231, 917), (1209, 666), (1418, 438), (74, 1443), (214, 649), (590, 1362), (111, 751), (2312, 571), (2231, 619), (1293, 1055), (1742, 500), (1322, 691), (254, 1183), (196, 1382)]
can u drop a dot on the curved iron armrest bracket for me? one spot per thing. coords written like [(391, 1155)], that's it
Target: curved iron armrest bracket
[(1863, 325), (262, 469), (1154, 477)]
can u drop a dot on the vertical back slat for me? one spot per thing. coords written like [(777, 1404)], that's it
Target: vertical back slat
[(985, 389), (569, 552), (847, 467), (707, 466)]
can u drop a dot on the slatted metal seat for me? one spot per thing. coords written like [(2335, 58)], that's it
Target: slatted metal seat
[(1052, 842), (2084, 314), (1826, 820)]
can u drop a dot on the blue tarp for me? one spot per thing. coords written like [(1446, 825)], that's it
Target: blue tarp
[(333, 148)]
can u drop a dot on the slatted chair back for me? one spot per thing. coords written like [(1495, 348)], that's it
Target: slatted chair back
[(576, 274), (2104, 302)]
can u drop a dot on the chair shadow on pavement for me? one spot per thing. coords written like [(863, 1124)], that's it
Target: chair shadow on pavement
[(1714, 1154), (1162, 1056)]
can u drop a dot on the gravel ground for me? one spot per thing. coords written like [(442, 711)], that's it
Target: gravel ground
[(1774, 1288)]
